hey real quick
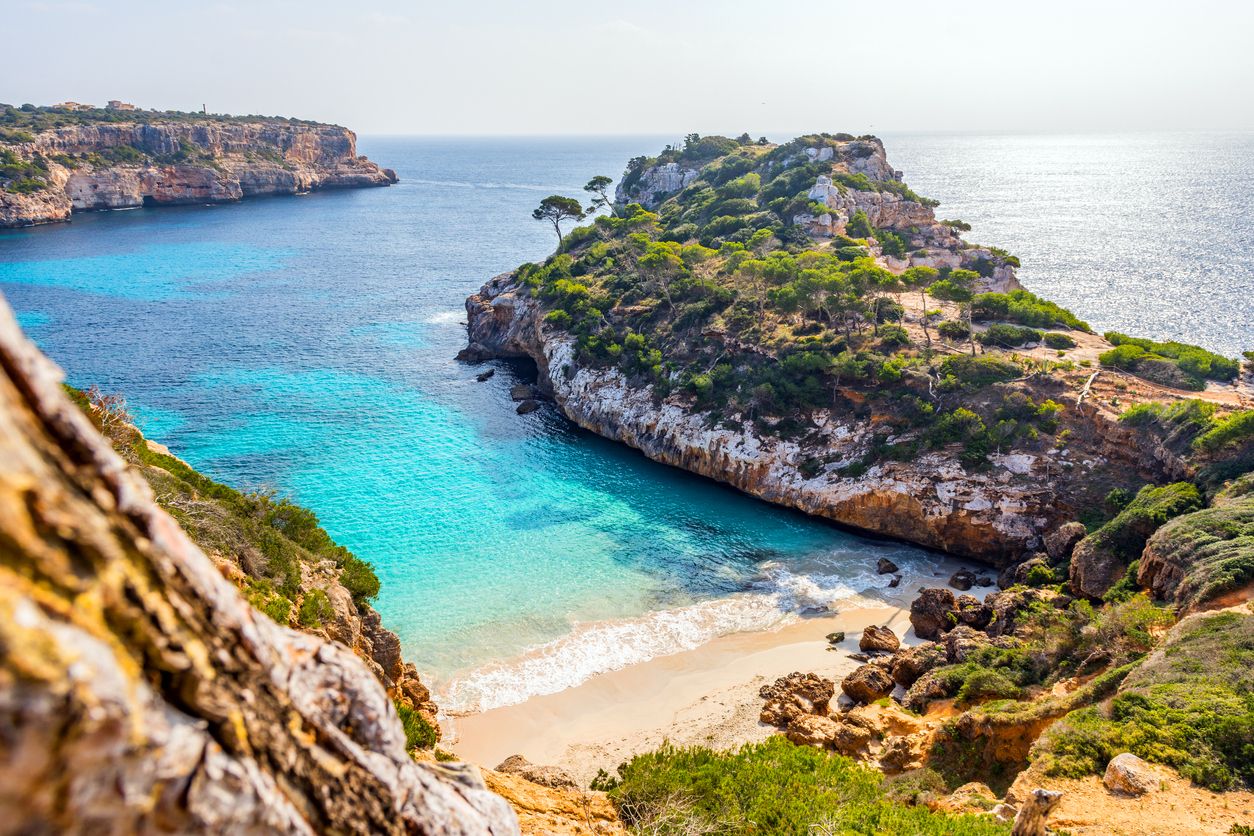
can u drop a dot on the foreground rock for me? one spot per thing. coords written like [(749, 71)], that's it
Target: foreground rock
[(140, 691), (933, 612), (867, 684), (189, 160), (878, 640), (555, 811), (794, 695), (1128, 774)]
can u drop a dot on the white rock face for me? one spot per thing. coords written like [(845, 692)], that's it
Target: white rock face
[(656, 184)]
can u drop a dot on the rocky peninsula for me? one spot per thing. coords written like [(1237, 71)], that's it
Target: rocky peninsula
[(58, 161), (793, 320)]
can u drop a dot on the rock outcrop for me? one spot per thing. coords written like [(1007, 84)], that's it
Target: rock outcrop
[(140, 693), (122, 165)]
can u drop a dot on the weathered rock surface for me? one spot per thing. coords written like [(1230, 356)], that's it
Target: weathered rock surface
[(1060, 542), (1129, 775), (878, 640), (911, 663), (555, 811), (867, 684), (225, 161), (933, 612), (140, 692), (545, 776), (963, 579), (791, 696)]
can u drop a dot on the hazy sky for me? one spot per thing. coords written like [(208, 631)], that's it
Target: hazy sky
[(649, 66)]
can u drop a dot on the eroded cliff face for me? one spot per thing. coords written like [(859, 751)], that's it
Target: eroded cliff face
[(139, 692), (183, 162), (997, 515)]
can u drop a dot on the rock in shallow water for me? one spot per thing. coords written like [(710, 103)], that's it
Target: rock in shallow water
[(527, 407), (885, 566)]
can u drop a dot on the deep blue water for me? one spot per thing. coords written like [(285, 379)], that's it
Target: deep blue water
[(306, 344)]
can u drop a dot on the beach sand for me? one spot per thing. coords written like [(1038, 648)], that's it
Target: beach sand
[(706, 696)]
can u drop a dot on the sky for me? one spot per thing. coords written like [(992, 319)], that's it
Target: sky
[(649, 66)]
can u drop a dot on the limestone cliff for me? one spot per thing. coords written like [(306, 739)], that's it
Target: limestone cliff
[(994, 514), (139, 693), (119, 165)]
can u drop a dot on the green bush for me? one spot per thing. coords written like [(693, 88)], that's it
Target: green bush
[(770, 787), (1008, 336), (1235, 429), (419, 734), (1026, 309), (1193, 364), (358, 578), (953, 330), (315, 609), (1060, 341), (977, 372)]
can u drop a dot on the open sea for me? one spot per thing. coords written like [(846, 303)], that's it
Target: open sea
[(305, 344)]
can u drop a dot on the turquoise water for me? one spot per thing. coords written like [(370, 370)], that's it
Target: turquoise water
[(305, 345)]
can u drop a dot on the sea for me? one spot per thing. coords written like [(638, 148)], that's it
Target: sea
[(305, 345)]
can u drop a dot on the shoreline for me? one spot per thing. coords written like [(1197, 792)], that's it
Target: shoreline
[(704, 696)]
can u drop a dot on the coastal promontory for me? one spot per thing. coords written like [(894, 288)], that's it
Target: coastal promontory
[(55, 161)]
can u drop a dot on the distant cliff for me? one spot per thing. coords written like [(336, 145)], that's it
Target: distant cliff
[(54, 163)]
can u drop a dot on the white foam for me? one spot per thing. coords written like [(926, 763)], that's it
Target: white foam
[(454, 317), (776, 597)]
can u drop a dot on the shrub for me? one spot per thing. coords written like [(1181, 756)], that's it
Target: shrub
[(315, 609), (977, 372), (1055, 339), (894, 335), (770, 787), (1235, 429), (1026, 309), (1190, 707), (953, 330), (1008, 336), (419, 734), (358, 578)]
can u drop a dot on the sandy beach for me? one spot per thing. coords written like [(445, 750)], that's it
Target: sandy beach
[(706, 696)]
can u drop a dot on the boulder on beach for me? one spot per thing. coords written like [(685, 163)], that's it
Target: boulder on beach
[(963, 579), (878, 640), (933, 612), (867, 684), (791, 696)]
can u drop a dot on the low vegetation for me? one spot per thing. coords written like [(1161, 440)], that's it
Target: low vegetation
[(1190, 706), (770, 787), (1175, 364)]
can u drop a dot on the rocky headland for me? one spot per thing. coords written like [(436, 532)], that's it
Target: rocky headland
[(55, 163), (858, 452), (794, 321)]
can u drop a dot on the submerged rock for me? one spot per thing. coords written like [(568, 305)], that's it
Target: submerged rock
[(484, 376), (963, 579), (527, 407)]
